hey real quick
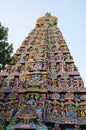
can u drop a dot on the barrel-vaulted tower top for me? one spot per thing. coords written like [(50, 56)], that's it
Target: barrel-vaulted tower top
[(47, 19)]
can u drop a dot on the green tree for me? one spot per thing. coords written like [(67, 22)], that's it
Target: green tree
[(6, 49)]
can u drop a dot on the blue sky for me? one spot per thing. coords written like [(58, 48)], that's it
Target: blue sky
[(20, 17)]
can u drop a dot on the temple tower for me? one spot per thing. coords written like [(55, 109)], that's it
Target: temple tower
[(43, 90)]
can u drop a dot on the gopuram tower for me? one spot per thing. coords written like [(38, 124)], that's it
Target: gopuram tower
[(43, 90)]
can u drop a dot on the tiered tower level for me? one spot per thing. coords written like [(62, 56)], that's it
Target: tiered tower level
[(44, 89)]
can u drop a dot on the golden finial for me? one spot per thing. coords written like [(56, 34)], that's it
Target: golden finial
[(48, 14)]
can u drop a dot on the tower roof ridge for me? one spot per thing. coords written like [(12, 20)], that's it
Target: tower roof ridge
[(47, 19)]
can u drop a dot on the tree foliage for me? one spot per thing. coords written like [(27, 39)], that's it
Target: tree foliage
[(6, 49)]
